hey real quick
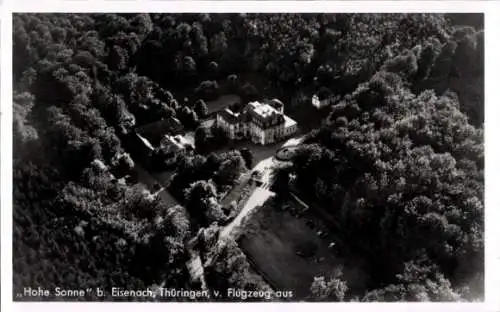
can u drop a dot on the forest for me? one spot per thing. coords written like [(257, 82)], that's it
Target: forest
[(403, 148)]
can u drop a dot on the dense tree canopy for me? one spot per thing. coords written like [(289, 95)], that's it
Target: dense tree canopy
[(332, 289), (405, 179), (233, 271), (75, 223), (224, 169), (399, 161)]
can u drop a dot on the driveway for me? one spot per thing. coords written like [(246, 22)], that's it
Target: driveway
[(261, 194), (258, 198)]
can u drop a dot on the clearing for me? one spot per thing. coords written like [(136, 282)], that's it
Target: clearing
[(289, 253)]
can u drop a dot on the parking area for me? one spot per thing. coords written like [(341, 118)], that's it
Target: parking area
[(289, 250)]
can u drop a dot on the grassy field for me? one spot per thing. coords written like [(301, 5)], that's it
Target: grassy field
[(271, 241)]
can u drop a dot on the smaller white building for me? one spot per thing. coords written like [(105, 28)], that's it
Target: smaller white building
[(323, 98), (316, 102)]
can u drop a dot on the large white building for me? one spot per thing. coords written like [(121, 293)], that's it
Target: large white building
[(263, 123)]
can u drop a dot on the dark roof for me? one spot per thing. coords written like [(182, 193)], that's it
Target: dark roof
[(229, 117), (277, 104), (155, 131)]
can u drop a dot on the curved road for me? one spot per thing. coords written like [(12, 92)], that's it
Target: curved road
[(261, 194)]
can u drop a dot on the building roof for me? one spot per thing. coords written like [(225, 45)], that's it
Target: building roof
[(177, 141), (233, 117), (264, 114), (145, 142), (289, 122), (275, 103), (263, 110), (324, 93), (155, 131)]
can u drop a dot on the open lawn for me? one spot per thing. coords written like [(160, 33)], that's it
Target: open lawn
[(273, 240)]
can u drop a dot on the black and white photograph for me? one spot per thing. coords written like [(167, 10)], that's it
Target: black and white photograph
[(248, 157)]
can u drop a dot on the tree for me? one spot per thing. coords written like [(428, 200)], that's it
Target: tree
[(188, 117), (23, 131), (230, 169), (232, 270), (281, 182), (207, 239), (202, 138), (248, 92), (218, 44), (233, 83), (118, 58), (220, 136), (247, 157), (418, 282), (125, 164), (163, 111), (201, 108), (399, 163), (332, 289), (213, 211), (213, 68), (179, 222), (207, 90), (201, 202), (192, 120), (90, 229), (390, 176), (405, 65), (188, 66), (142, 24)]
